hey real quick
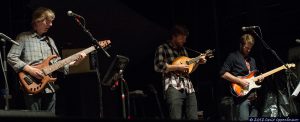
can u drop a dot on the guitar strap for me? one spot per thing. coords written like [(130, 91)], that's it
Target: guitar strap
[(252, 96), (51, 47), (53, 87), (248, 65)]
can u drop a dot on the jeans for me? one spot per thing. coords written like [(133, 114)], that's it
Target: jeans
[(41, 102), (181, 105), (226, 109), (245, 110)]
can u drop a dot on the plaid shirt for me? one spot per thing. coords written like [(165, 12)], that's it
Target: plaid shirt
[(33, 49), (164, 55)]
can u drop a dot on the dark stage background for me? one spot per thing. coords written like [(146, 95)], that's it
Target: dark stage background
[(136, 28)]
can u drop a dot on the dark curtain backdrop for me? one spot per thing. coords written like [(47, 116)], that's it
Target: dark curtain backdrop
[(136, 28)]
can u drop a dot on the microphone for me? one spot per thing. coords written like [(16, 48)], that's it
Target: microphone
[(298, 40), (249, 28), (70, 13), (9, 39)]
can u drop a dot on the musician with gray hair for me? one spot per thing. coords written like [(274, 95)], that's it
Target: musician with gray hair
[(35, 46)]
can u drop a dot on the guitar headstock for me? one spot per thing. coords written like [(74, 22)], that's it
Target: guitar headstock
[(104, 43), (209, 53), (290, 65)]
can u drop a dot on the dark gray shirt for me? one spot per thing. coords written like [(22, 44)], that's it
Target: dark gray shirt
[(236, 65)]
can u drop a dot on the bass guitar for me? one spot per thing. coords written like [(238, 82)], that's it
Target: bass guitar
[(33, 85)]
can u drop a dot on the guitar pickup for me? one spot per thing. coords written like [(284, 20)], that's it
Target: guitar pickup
[(28, 79)]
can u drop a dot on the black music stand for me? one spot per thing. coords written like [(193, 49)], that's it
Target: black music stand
[(114, 76)]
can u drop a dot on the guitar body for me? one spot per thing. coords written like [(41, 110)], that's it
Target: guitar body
[(239, 91), (33, 85), (184, 60)]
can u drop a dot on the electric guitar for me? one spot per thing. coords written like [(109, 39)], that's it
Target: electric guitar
[(191, 62), (33, 85), (238, 91)]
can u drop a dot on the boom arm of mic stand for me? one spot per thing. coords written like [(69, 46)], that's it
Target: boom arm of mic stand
[(94, 41), (274, 53)]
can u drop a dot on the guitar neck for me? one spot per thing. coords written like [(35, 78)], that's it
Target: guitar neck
[(269, 73), (194, 60), (61, 63), (207, 54)]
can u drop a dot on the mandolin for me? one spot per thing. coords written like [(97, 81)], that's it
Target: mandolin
[(191, 62)]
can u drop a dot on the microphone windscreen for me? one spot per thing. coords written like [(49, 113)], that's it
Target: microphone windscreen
[(69, 13)]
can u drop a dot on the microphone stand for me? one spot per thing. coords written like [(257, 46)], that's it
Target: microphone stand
[(288, 69), (97, 46), (94, 41), (124, 88), (6, 95)]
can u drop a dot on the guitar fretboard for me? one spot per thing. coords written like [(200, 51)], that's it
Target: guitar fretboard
[(272, 72), (49, 69), (193, 60)]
